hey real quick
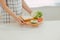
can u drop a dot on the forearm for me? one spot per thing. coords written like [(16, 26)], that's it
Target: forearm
[(8, 10), (25, 6)]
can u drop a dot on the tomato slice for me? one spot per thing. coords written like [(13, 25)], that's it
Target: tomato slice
[(40, 19)]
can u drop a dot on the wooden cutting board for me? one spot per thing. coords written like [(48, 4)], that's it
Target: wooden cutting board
[(28, 21)]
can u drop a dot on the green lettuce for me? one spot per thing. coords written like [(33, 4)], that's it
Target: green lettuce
[(38, 14)]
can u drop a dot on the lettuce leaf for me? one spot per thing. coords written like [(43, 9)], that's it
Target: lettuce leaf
[(38, 14)]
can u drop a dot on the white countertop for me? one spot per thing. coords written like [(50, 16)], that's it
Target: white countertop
[(49, 30)]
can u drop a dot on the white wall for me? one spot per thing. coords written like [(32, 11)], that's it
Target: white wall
[(38, 3), (57, 1)]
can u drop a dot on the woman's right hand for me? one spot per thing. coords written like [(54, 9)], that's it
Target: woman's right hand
[(20, 20)]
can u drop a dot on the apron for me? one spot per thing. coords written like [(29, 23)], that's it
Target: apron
[(15, 6)]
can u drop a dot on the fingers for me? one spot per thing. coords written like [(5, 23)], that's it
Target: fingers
[(19, 21)]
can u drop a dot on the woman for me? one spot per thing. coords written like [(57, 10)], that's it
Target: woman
[(12, 8)]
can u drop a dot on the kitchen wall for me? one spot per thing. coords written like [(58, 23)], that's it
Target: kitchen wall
[(39, 3), (49, 12)]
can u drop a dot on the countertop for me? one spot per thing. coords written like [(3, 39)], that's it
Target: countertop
[(48, 30)]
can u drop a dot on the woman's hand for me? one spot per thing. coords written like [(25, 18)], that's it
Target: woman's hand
[(20, 20)]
